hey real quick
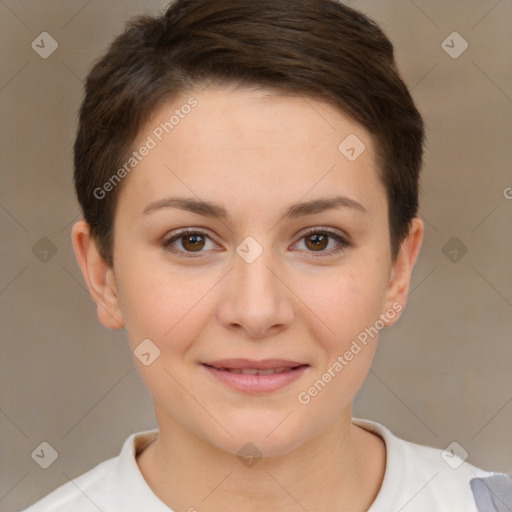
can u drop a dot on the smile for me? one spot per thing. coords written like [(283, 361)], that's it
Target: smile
[(255, 371), (255, 377)]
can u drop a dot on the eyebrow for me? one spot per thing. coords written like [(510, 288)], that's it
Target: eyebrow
[(209, 209)]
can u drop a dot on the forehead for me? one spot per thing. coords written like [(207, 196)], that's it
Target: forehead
[(255, 147)]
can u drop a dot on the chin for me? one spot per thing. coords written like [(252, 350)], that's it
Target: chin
[(264, 436)]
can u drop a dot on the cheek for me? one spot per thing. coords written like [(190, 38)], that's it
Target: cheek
[(163, 306), (345, 302), (349, 306)]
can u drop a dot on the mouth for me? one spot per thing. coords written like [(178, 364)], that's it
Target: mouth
[(254, 371), (251, 376)]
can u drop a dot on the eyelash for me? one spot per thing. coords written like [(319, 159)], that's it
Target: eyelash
[(344, 243)]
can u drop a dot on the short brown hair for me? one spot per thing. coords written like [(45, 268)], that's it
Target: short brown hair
[(316, 48)]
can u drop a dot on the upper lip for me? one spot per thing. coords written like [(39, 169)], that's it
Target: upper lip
[(243, 364)]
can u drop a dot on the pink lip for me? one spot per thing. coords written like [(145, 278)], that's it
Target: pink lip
[(265, 364), (255, 384)]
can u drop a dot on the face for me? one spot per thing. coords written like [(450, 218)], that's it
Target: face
[(275, 277)]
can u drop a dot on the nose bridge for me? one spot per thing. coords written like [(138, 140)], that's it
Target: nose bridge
[(252, 273), (254, 270), (257, 299)]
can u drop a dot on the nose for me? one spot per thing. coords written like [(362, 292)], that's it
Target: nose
[(256, 299)]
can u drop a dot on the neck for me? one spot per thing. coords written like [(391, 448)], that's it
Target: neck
[(341, 469)]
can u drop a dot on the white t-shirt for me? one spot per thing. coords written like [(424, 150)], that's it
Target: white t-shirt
[(417, 479)]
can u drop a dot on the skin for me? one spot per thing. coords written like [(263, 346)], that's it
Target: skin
[(254, 152)]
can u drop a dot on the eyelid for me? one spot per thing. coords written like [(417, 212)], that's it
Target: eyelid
[(322, 229)]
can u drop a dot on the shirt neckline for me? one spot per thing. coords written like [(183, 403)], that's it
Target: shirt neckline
[(142, 496)]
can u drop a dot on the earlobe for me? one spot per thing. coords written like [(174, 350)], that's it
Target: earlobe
[(398, 287), (98, 275)]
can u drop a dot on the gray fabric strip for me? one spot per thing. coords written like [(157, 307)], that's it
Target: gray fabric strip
[(492, 493)]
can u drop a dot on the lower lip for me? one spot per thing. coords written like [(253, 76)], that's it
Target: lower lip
[(257, 383)]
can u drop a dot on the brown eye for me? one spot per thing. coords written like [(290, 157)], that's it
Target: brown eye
[(317, 241), (189, 243), (192, 242)]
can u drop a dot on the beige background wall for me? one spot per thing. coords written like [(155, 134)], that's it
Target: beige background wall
[(442, 373)]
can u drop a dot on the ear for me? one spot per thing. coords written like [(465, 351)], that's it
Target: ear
[(98, 275), (398, 286)]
